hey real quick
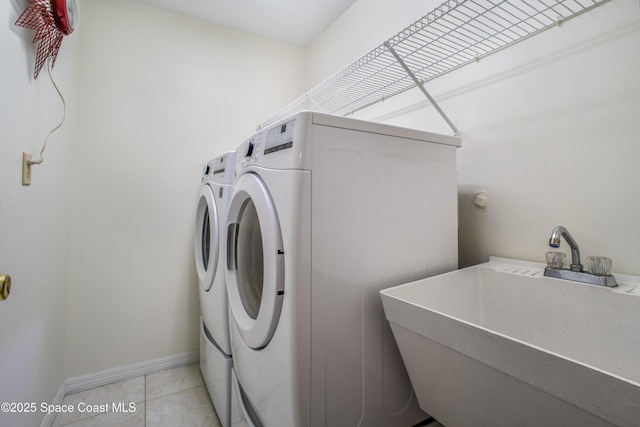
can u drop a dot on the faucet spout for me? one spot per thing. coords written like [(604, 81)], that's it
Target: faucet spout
[(554, 242)]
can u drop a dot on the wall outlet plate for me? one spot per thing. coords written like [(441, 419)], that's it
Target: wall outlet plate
[(26, 169)]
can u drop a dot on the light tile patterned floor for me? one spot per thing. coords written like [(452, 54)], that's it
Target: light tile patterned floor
[(176, 397), (172, 398)]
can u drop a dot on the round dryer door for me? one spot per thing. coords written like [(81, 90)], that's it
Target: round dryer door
[(255, 261), (207, 237)]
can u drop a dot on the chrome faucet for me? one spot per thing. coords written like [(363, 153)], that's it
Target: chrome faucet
[(575, 272), (554, 242)]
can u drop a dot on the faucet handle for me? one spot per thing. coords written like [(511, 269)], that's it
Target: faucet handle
[(556, 260), (599, 265)]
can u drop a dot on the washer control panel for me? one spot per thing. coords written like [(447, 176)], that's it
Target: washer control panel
[(280, 137), (251, 148), (271, 140)]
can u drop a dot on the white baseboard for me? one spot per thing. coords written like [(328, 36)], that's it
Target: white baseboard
[(117, 374), (126, 372)]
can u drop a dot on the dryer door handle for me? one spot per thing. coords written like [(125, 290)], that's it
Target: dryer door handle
[(232, 238)]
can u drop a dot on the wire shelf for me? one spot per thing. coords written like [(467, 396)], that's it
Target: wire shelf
[(454, 34)]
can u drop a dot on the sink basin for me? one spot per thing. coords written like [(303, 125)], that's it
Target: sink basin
[(499, 344)]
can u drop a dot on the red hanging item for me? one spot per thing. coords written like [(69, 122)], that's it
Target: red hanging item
[(50, 29)]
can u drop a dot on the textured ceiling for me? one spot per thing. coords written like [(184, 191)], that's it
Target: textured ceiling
[(296, 22)]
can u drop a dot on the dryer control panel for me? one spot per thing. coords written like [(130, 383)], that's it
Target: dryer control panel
[(221, 169)]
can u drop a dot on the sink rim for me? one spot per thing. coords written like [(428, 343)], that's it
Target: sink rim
[(629, 286)]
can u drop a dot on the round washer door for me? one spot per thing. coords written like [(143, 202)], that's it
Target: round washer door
[(207, 237), (255, 261)]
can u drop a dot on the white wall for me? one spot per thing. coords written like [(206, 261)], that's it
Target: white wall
[(550, 130), (161, 94), (34, 221), (363, 27)]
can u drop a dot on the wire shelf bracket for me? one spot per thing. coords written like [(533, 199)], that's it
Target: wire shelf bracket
[(454, 34), (422, 88)]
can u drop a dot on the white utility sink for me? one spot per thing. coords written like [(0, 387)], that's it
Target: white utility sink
[(499, 344)]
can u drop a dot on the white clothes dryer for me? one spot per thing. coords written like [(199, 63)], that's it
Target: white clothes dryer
[(327, 211), (210, 252)]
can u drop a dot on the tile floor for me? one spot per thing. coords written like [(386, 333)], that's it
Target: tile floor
[(173, 398), (176, 397)]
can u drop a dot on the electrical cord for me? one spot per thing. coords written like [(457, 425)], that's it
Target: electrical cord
[(64, 116)]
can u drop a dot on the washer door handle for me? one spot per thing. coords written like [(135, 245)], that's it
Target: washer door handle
[(232, 237)]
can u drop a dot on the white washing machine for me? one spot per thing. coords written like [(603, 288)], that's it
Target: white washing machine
[(327, 211), (210, 252)]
